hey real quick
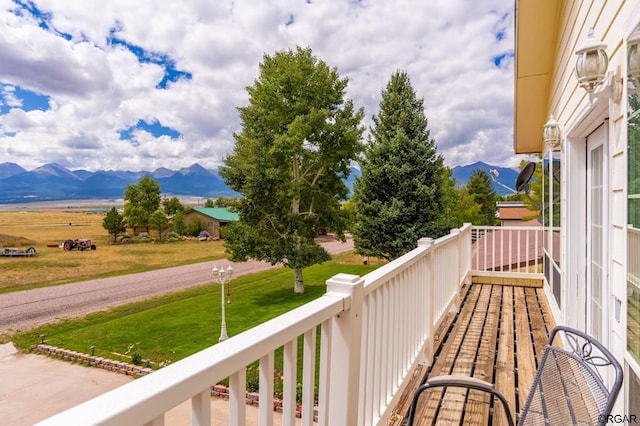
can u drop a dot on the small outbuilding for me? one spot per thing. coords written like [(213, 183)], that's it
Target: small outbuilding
[(212, 218), (516, 213)]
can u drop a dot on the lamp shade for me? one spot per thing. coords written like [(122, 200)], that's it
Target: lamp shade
[(592, 63), (551, 133), (633, 60)]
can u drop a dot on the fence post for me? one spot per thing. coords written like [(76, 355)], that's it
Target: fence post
[(344, 352), (468, 250), (459, 278), (430, 294)]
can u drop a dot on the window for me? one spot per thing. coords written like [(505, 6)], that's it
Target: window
[(633, 237)]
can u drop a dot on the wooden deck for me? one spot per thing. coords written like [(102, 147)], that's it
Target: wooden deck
[(497, 336)]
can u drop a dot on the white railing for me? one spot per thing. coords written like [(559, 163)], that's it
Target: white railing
[(510, 251), (404, 303), (373, 331)]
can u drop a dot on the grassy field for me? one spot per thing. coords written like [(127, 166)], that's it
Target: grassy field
[(55, 266)]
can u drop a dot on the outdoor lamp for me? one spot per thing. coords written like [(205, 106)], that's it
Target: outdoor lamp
[(552, 133), (592, 63), (222, 275), (633, 60)]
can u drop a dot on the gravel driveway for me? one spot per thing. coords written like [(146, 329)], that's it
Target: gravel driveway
[(28, 309)]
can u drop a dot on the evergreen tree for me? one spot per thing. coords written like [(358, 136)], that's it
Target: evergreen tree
[(398, 197), (459, 206), (481, 187), (299, 136)]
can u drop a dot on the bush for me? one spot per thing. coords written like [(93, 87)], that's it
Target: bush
[(195, 227)]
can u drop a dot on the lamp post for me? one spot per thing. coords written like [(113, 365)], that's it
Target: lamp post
[(222, 275)]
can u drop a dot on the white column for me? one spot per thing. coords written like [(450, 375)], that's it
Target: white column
[(201, 408), (429, 303), (344, 355), (237, 398)]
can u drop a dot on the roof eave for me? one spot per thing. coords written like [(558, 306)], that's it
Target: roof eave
[(536, 28)]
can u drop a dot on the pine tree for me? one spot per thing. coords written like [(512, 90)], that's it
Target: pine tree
[(398, 197), (479, 185)]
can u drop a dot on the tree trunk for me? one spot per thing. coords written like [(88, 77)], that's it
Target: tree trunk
[(298, 287)]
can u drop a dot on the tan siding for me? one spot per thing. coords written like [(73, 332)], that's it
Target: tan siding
[(567, 99)]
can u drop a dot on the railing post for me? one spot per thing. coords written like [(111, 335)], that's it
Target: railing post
[(468, 250), (459, 278), (237, 398), (201, 408), (430, 276), (344, 356)]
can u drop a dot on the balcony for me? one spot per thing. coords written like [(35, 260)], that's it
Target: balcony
[(368, 342)]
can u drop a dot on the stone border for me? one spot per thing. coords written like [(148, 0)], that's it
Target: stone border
[(219, 391), (253, 399), (93, 361)]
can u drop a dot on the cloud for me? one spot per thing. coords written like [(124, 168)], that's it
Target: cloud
[(108, 69)]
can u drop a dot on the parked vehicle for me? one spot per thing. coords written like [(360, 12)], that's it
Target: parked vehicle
[(78, 244), (14, 251)]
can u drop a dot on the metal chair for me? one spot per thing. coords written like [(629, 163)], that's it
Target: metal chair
[(569, 387)]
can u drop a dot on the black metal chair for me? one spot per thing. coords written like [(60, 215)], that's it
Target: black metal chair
[(569, 387)]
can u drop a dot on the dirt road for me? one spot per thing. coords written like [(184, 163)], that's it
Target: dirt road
[(24, 310)]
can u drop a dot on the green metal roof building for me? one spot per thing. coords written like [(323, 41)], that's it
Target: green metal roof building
[(213, 218)]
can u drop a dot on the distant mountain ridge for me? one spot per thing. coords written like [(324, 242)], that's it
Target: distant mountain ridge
[(53, 182), (506, 176)]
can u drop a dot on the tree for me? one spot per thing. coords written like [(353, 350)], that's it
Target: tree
[(114, 223), (195, 226), (209, 203), (459, 206), (172, 205), (299, 136), (141, 200), (479, 185), (398, 196), (231, 203), (159, 221), (179, 226)]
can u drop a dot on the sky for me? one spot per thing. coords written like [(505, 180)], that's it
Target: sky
[(138, 85)]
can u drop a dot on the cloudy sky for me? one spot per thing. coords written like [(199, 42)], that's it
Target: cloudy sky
[(137, 85)]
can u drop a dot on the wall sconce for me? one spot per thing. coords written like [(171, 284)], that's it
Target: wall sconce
[(552, 133), (591, 70), (633, 61)]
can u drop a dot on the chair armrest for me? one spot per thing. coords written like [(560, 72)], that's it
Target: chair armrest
[(458, 381), (461, 381)]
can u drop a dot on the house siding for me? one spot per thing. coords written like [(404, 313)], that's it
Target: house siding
[(579, 116)]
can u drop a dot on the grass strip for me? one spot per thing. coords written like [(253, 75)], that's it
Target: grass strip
[(171, 327)]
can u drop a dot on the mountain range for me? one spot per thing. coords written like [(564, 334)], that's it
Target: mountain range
[(52, 182)]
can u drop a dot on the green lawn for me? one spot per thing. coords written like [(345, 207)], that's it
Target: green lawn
[(174, 326)]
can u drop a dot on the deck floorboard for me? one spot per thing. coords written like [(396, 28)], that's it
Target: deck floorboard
[(498, 336)]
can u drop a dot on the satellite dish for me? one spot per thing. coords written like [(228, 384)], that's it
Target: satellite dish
[(522, 181)]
